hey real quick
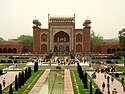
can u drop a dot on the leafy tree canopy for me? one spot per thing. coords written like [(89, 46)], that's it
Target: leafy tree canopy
[(122, 37), (1, 39), (95, 40), (26, 40)]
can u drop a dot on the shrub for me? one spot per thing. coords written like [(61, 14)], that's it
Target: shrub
[(3, 61), (9, 61), (117, 75), (1, 71), (10, 90), (16, 83)]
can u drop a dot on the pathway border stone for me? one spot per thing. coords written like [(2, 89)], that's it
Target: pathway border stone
[(68, 83), (39, 83)]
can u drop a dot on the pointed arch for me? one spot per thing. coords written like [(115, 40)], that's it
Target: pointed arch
[(79, 37), (14, 50), (108, 51), (1, 50), (78, 48), (43, 37), (4, 50), (9, 50), (43, 48)]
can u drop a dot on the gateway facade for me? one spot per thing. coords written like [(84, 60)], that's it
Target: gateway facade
[(61, 36)]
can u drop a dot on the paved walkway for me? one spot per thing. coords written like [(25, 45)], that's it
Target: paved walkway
[(100, 79), (9, 78), (39, 83), (68, 83)]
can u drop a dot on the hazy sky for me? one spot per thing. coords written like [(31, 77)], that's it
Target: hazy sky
[(16, 16)]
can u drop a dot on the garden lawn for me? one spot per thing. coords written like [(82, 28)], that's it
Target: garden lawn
[(28, 85), (78, 86)]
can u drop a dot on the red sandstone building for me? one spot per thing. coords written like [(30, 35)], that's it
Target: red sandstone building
[(61, 36)]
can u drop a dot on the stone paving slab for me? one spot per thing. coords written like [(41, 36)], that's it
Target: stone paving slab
[(9, 78), (39, 83), (100, 79), (68, 83)]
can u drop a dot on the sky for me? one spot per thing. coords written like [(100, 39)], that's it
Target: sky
[(16, 16)]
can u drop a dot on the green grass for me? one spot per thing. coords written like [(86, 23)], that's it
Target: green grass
[(121, 69), (28, 85), (78, 86)]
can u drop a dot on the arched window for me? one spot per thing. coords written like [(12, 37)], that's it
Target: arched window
[(14, 50), (9, 50), (118, 49), (108, 51), (79, 38), (43, 37), (67, 48), (55, 49), (43, 48), (113, 50), (4, 50), (78, 48), (1, 50)]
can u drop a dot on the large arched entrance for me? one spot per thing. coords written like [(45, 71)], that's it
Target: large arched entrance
[(61, 42)]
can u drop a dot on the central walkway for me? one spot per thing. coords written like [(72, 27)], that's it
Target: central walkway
[(100, 79), (68, 83)]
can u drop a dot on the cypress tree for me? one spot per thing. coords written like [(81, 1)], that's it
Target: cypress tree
[(10, 90), (29, 72), (26, 75), (91, 87), (86, 81), (97, 91), (36, 67), (0, 88), (16, 83), (20, 80)]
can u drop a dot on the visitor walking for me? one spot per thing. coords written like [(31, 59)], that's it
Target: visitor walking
[(122, 81), (112, 79), (103, 86), (105, 75), (4, 82)]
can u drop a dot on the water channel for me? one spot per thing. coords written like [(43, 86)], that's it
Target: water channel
[(54, 83)]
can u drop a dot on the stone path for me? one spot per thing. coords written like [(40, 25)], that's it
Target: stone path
[(68, 83), (9, 78), (39, 83), (100, 79)]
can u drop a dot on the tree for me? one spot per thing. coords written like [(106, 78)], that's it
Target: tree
[(0, 88), (95, 41), (26, 75), (122, 38), (10, 90), (86, 81), (26, 40), (23, 79), (20, 80), (16, 83), (29, 72), (1, 39), (91, 87), (36, 67)]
